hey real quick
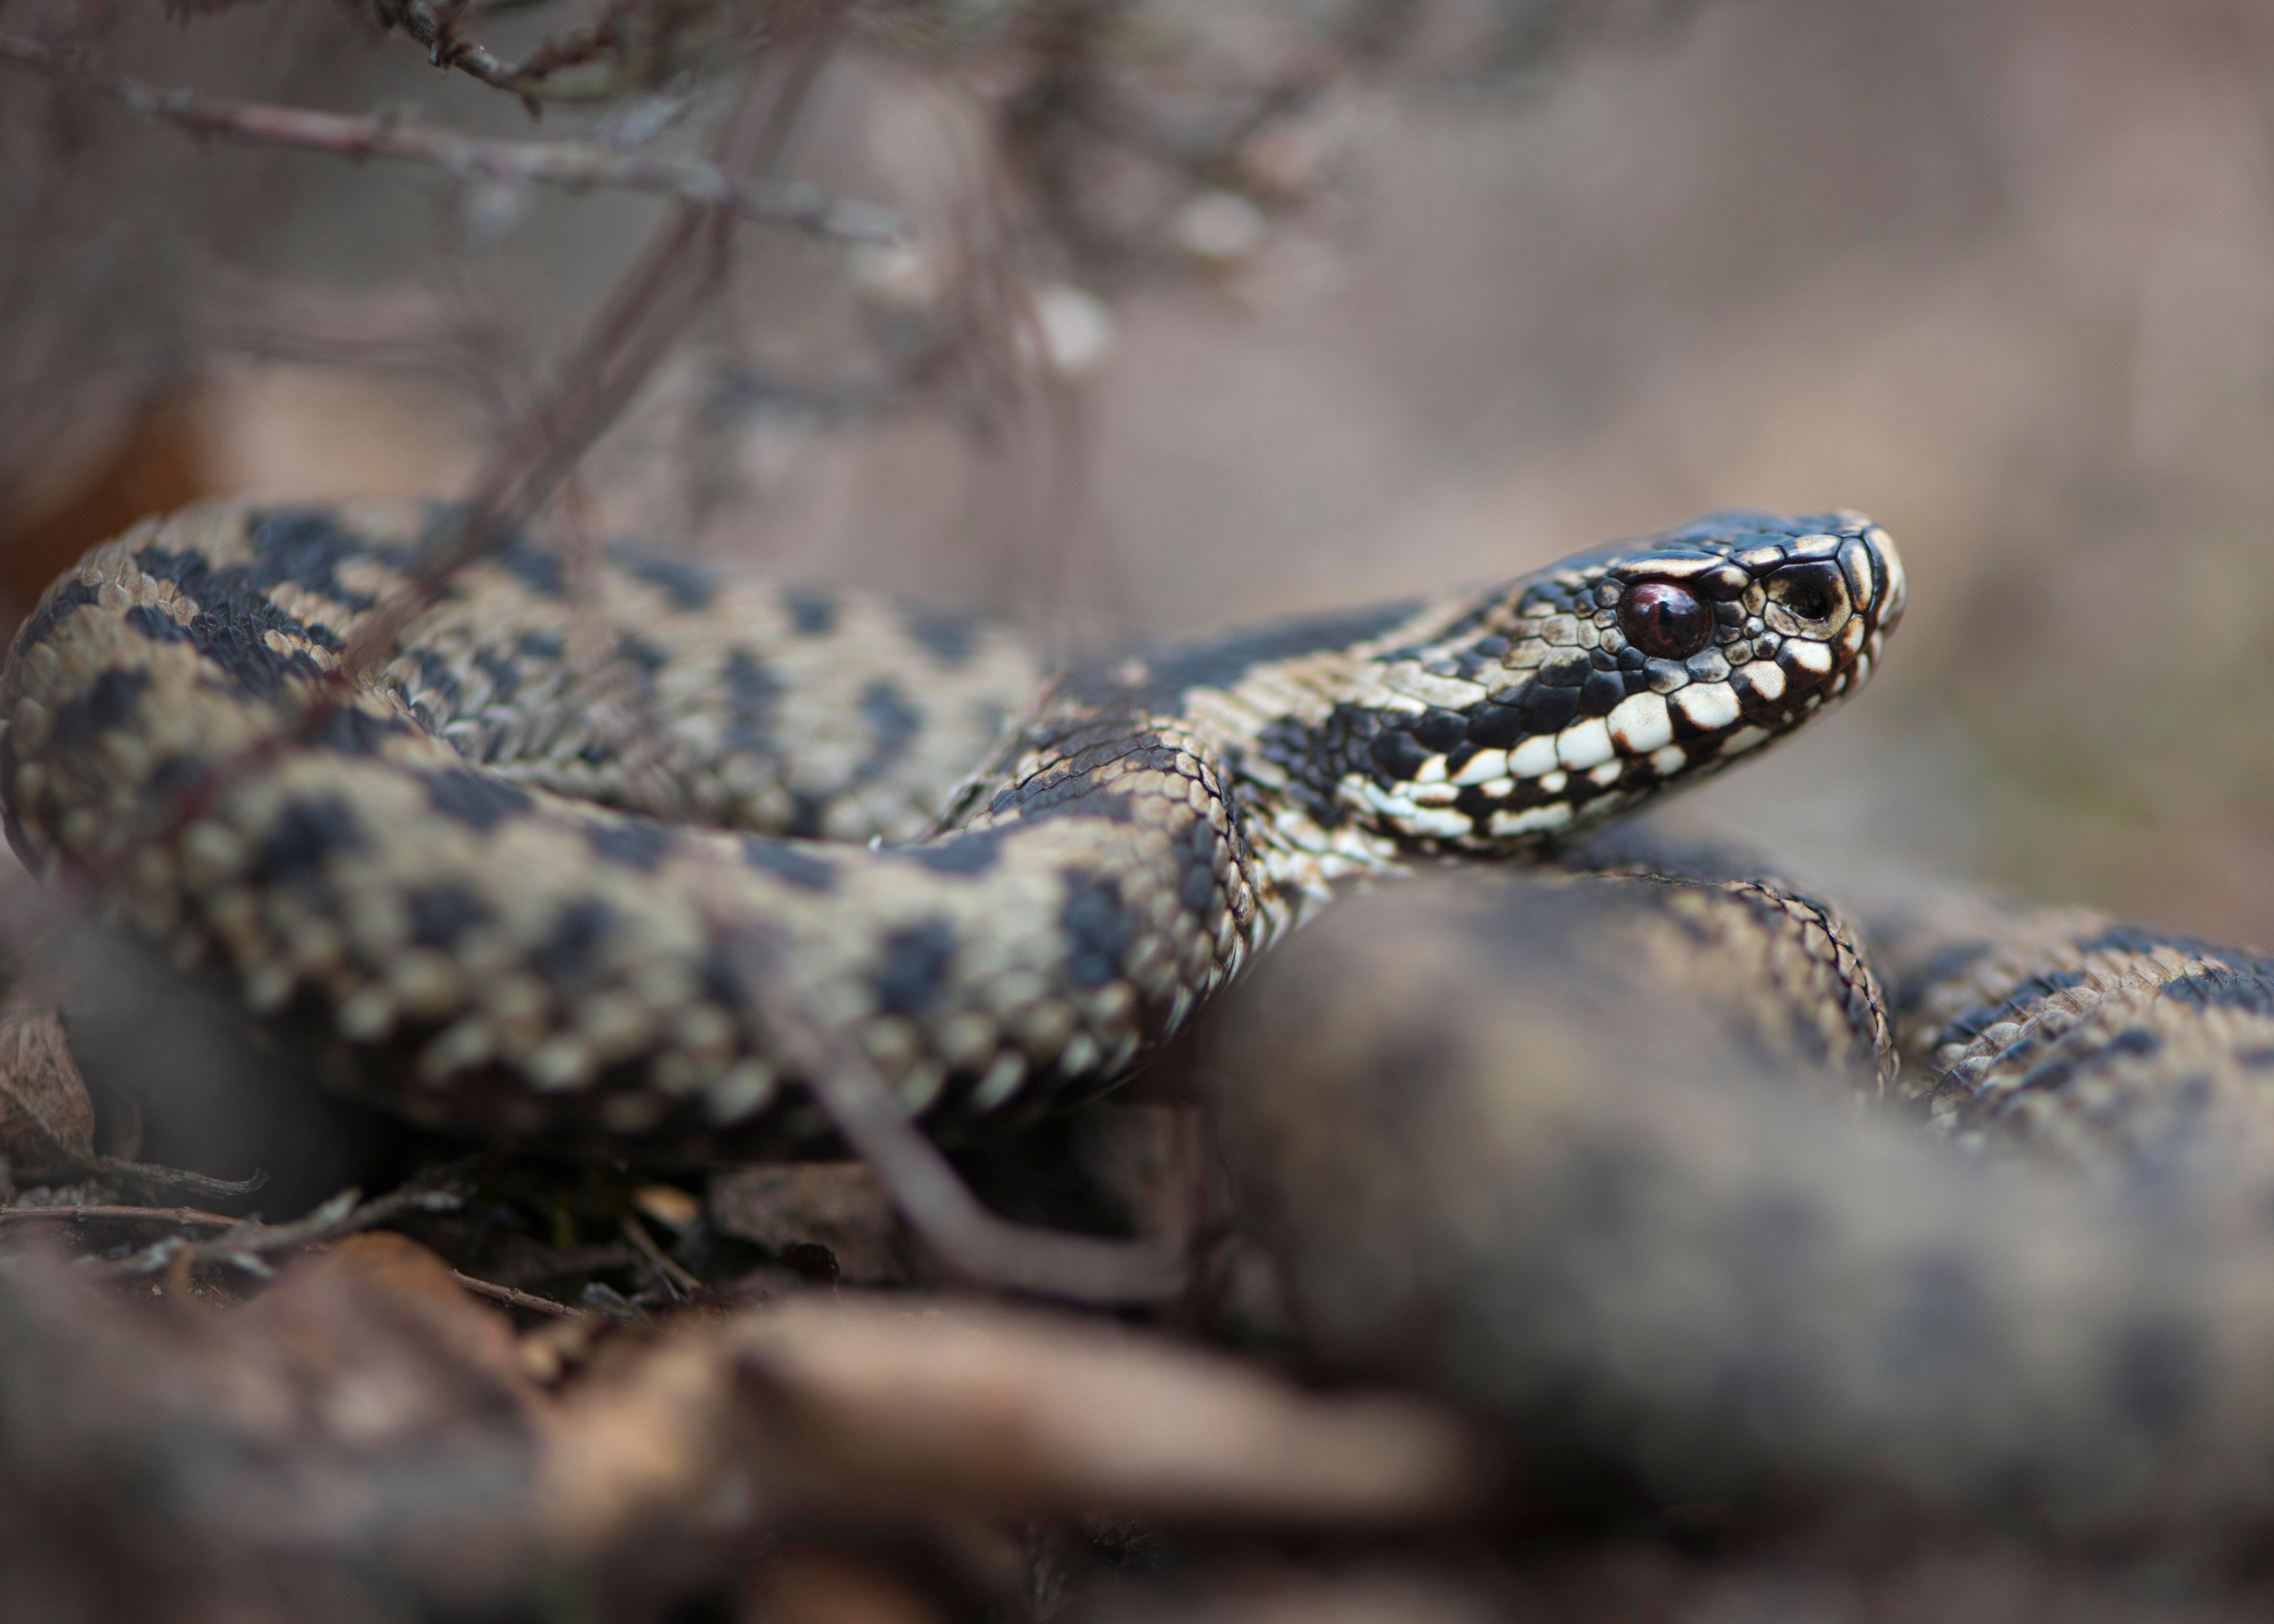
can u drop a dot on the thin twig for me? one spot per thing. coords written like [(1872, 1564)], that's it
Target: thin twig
[(446, 47), (248, 1241), (435, 28), (151, 1175), (77, 1212), (514, 1299), (578, 165), (924, 1185), (675, 1279)]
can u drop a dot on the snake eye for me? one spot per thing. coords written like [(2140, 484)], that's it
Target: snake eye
[(1807, 601), (1665, 620)]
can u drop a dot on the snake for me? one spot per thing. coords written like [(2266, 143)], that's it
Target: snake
[(1708, 1194), (585, 860)]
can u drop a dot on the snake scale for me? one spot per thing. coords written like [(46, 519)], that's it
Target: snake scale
[(500, 914)]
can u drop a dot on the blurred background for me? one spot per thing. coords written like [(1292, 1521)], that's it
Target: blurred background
[(1214, 311)]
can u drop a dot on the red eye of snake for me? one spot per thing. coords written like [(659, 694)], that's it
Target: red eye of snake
[(1664, 620)]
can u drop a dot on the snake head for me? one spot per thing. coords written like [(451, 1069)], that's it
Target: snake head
[(1610, 677)]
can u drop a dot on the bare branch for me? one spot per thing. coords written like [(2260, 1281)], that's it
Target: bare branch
[(545, 74), (684, 262), (248, 1241), (575, 165), (437, 31)]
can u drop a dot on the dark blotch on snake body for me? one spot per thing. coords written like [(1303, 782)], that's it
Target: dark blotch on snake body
[(1197, 888), (305, 833), (567, 952), (541, 645), (642, 844), (504, 675), (435, 677), (787, 861), (689, 586), (1099, 930), (641, 655), (305, 547), (893, 724), (108, 702), (2138, 939), (350, 729), (2045, 985), (535, 568), (1311, 774), (234, 622), (947, 636), (974, 851), (808, 810), (479, 803), (440, 914), (912, 970), (2134, 1043), (752, 692), (156, 624), (1974, 1022), (813, 614), (2222, 990), (70, 598), (1063, 791)]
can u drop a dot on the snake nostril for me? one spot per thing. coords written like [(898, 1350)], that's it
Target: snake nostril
[(1665, 620), (1807, 600)]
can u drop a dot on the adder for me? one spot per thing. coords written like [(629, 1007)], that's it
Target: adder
[(488, 903)]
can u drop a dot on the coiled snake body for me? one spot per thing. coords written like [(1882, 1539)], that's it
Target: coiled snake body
[(581, 866), (559, 870)]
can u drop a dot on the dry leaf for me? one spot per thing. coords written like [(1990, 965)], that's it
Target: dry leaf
[(836, 1205), (47, 1120)]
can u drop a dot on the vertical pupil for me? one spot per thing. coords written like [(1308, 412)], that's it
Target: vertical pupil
[(1664, 620)]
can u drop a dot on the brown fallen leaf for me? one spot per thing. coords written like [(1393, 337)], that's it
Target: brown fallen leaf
[(1028, 1410), (835, 1205), (420, 1285), (47, 1118), (160, 1462), (861, 1405)]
